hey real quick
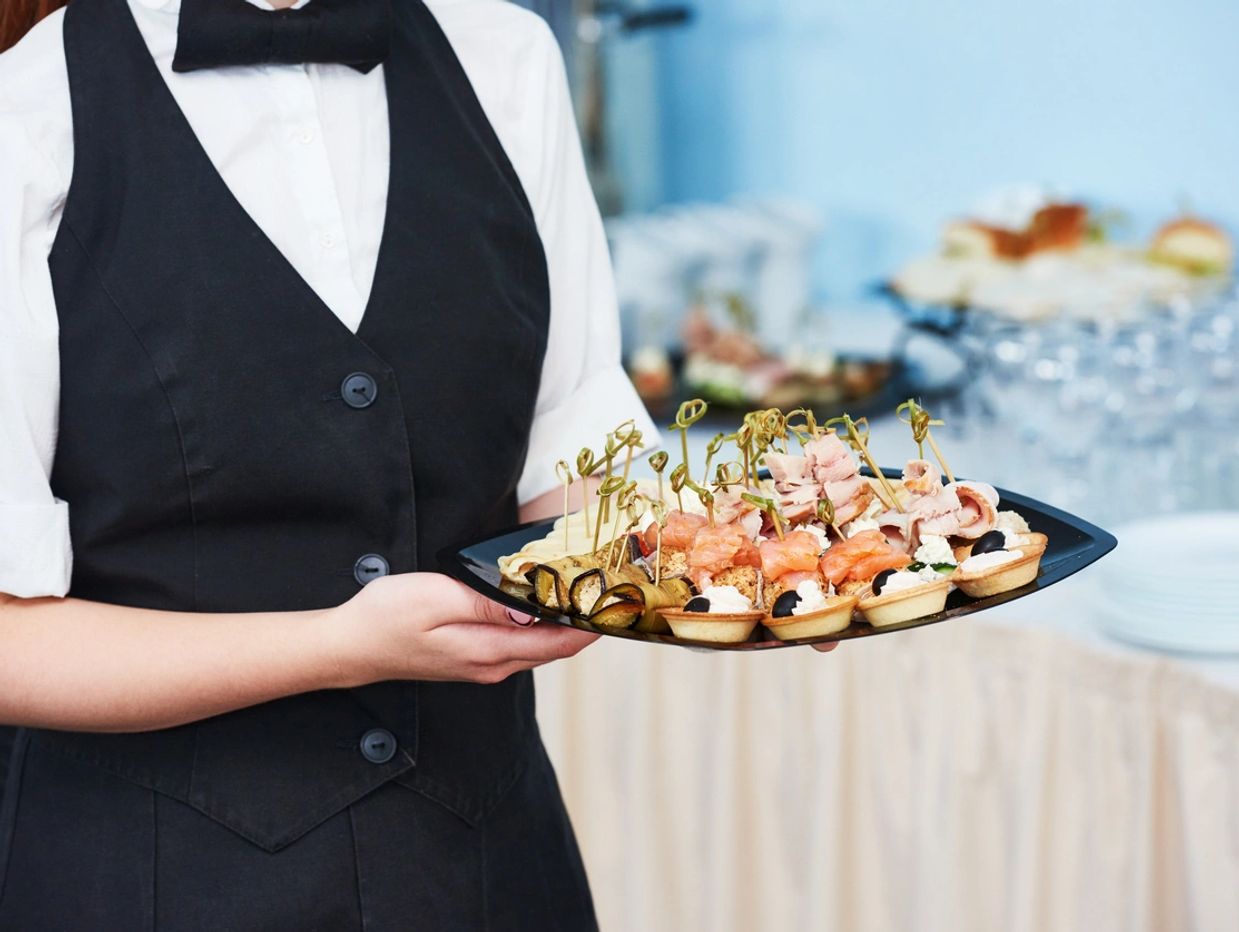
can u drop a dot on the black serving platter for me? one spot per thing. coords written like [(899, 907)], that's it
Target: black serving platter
[(1073, 545)]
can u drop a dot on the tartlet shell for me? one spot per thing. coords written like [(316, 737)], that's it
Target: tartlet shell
[(1006, 576), (832, 619), (895, 608), (1030, 539), (732, 628)]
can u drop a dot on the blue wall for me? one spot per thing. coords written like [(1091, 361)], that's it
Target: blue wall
[(892, 116)]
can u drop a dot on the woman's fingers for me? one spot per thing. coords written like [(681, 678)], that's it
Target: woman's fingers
[(827, 647), (493, 646), (454, 603), (520, 618)]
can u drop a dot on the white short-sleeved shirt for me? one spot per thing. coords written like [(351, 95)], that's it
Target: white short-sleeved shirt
[(305, 151)]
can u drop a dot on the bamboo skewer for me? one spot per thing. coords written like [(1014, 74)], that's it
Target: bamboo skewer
[(728, 474), (660, 517), (658, 462), (768, 507), (950, 476), (712, 449), (564, 471), (688, 414), (678, 477), (706, 496), (920, 422), (858, 442), (744, 442), (809, 431), (622, 501), (609, 487), (585, 467), (826, 514), (627, 438), (637, 508), (658, 555)]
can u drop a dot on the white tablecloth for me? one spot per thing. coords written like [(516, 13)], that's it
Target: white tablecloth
[(969, 775)]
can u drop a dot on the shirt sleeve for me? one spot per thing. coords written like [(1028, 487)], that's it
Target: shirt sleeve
[(35, 554), (585, 392)]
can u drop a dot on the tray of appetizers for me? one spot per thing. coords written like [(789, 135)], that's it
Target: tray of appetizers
[(798, 539)]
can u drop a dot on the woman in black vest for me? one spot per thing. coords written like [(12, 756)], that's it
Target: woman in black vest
[(288, 302)]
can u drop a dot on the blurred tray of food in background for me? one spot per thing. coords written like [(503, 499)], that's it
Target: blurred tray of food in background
[(729, 367), (1061, 260)]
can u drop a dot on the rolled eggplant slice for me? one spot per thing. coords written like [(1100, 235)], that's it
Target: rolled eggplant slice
[(621, 606), (617, 615), (547, 586), (670, 593), (552, 581), (586, 591), (643, 598), (576, 584), (679, 588), (622, 592)]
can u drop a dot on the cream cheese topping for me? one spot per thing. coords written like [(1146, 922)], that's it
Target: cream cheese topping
[(812, 599), (934, 549), (1012, 521), (901, 580), (726, 600), (985, 561)]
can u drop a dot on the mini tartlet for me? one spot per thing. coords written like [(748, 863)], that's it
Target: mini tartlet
[(717, 627), (835, 617), (893, 608), (993, 580)]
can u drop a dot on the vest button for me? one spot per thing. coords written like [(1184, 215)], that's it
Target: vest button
[(359, 390), (378, 745), (369, 568)]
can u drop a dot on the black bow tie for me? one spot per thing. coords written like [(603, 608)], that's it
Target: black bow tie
[(217, 33)]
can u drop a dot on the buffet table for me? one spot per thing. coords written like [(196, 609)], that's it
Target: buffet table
[(973, 775), (1013, 771)]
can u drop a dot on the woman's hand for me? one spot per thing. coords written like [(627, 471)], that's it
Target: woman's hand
[(423, 626)]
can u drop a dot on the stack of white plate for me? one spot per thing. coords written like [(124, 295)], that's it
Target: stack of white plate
[(1173, 583)]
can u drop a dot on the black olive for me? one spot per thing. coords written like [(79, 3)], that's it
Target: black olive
[(697, 604), (990, 543), (880, 580), (784, 604)]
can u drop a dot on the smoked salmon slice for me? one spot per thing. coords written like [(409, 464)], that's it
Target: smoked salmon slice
[(717, 548), (796, 553), (847, 559), (678, 533), (869, 567)]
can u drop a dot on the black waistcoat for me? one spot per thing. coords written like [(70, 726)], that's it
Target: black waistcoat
[(211, 460)]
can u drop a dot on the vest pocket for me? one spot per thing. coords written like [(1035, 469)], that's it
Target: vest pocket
[(274, 772), (270, 773)]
